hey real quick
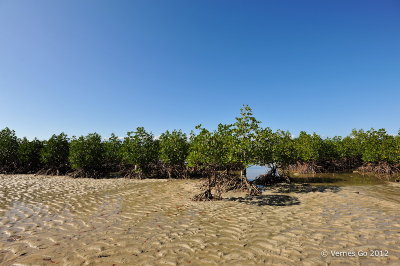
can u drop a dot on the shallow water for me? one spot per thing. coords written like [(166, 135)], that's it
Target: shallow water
[(337, 179), (341, 179), (255, 171)]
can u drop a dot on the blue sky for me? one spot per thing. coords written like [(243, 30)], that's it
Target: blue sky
[(110, 66)]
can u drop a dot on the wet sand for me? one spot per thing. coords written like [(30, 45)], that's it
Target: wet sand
[(65, 221)]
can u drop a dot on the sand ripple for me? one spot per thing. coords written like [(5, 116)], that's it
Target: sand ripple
[(60, 220)]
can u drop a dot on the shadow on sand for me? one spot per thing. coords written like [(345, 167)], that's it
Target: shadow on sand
[(270, 200), (301, 188), (302, 180), (283, 200)]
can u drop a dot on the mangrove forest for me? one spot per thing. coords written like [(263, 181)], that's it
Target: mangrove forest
[(221, 155)]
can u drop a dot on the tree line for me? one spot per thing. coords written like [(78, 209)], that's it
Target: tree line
[(229, 148)]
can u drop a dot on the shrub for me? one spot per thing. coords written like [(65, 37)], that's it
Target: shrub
[(329, 149), (207, 150), (141, 150), (265, 143), (174, 149), (244, 133), (397, 148), (55, 154), (29, 155), (378, 146), (284, 152), (307, 147), (87, 153), (8, 150), (113, 155)]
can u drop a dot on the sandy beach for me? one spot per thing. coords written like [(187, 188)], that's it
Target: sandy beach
[(60, 220)]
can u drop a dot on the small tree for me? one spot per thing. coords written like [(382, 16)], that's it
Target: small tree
[(307, 147), (397, 148), (8, 150), (87, 155), (174, 148), (373, 145), (275, 150), (329, 149), (207, 152), (244, 132), (214, 152), (350, 150), (29, 155), (388, 148), (55, 154), (113, 155), (284, 153), (141, 150), (265, 142), (226, 135)]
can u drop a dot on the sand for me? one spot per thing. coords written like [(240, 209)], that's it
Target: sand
[(65, 221)]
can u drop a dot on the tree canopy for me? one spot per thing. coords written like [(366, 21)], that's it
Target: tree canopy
[(228, 147)]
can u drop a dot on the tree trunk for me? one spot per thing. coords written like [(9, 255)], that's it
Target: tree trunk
[(243, 172), (274, 170), (169, 173), (209, 182)]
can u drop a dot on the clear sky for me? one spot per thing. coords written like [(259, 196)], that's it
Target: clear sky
[(110, 66)]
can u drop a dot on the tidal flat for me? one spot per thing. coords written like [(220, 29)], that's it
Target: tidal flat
[(46, 220)]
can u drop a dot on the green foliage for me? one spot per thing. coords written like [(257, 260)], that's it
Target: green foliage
[(350, 148), (209, 150), (378, 146), (140, 148), (29, 155), (265, 143), (174, 148), (307, 147), (329, 149), (225, 136), (284, 151), (113, 154), (55, 153), (244, 135), (8, 150), (397, 149), (231, 146), (87, 153)]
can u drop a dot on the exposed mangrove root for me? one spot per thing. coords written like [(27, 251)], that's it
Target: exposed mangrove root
[(269, 179), (273, 177), (131, 174), (382, 168), (7, 171), (251, 189), (87, 174), (51, 171), (223, 182), (304, 168), (173, 171), (227, 182), (206, 196), (327, 166)]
